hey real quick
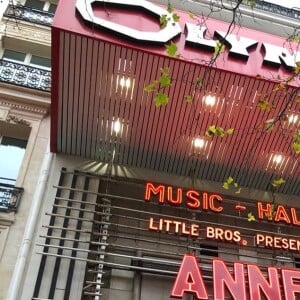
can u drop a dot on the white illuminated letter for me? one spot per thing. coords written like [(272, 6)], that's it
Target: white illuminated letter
[(171, 30), (275, 54), (195, 35), (238, 46)]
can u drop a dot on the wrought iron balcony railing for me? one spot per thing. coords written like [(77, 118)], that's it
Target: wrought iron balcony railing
[(277, 9), (28, 76), (29, 14), (9, 195)]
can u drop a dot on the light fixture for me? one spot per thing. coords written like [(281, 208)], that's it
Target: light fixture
[(124, 82), (277, 158), (116, 126), (210, 100), (199, 143), (293, 118)]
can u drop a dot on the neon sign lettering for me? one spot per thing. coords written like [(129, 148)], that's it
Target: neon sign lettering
[(280, 214), (192, 199), (189, 280), (206, 202)]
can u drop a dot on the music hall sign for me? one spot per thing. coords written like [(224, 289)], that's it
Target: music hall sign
[(243, 279)]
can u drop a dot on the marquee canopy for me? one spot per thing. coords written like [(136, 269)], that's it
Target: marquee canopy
[(100, 109)]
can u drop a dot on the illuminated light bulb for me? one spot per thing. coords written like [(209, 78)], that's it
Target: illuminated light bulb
[(210, 100), (277, 158), (117, 126), (125, 82), (199, 143), (293, 119)]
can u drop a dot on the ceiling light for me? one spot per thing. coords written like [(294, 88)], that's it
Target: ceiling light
[(277, 158), (125, 82), (199, 143), (293, 118), (117, 126), (209, 100)]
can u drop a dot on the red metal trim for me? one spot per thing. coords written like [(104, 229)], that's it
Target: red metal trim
[(54, 89)]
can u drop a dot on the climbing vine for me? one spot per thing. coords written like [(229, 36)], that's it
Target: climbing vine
[(160, 88)]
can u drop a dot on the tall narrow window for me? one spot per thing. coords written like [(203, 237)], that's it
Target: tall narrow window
[(12, 151)]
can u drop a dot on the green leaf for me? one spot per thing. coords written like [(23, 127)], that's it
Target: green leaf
[(211, 131), (229, 180), (297, 137), (296, 144), (172, 49), (170, 8), (251, 3), (278, 182), (264, 105), (230, 131), (175, 18), (164, 21), (280, 86), (219, 48), (225, 185), (150, 87), (251, 217), (296, 147), (238, 191), (188, 98), (297, 68), (165, 79), (219, 131), (161, 99)]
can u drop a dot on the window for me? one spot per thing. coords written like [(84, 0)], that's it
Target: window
[(52, 8), (40, 61), (41, 5), (27, 59), (36, 4), (12, 151), (14, 55), (297, 262)]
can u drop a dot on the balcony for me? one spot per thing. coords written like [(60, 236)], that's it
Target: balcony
[(29, 14), (24, 75), (281, 10), (9, 195)]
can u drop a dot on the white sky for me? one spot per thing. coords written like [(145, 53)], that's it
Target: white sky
[(286, 3)]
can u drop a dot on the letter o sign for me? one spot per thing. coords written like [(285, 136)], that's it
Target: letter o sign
[(84, 7)]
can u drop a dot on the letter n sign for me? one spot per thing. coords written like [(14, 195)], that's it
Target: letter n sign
[(85, 9), (189, 279)]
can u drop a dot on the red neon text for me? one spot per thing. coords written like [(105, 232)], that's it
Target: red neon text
[(279, 214), (189, 280), (191, 198)]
